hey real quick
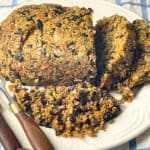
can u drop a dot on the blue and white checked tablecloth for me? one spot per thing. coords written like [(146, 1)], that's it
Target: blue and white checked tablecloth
[(140, 7)]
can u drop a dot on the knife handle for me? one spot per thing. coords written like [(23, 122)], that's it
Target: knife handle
[(7, 137), (35, 135)]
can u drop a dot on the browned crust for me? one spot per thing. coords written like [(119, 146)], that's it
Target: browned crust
[(48, 44)]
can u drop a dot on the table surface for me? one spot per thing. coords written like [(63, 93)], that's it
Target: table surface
[(140, 7)]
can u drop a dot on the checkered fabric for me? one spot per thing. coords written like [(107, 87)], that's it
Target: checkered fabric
[(140, 7)]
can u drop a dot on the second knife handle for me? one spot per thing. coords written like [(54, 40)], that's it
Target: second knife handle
[(7, 137)]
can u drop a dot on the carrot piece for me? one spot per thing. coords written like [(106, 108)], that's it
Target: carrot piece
[(11, 87), (130, 99), (46, 65)]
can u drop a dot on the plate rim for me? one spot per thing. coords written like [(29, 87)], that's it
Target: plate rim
[(146, 125)]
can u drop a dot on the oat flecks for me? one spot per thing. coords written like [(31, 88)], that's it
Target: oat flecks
[(77, 110)]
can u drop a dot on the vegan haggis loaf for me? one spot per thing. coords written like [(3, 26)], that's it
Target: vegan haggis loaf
[(77, 110), (115, 42), (48, 44)]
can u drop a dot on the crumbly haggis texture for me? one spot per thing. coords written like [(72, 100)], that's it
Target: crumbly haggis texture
[(76, 111), (115, 42), (141, 74), (48, 44)]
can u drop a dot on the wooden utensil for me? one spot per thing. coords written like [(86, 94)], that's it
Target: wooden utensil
[(7, 137), (35, 135)]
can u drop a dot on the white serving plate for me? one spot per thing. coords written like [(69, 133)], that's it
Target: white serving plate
[(135, 117)]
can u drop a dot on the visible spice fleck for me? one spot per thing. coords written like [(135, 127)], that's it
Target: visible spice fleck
[(29, 32), (60, 117), (120, 36), (30, 46), (90, 72), (19, 56), (24, 13), (108, 116), (58, 24), (44, 51), (40, 79), (52, 31), (84, 85), (20, 32), (88, 121), (70, 43), (92, 62), (89, 52), (75, 17), (28, 109), (40, 24), (41, 122), (30, 18), (148, 35), (94, 96), (98, 106), (58, 102), (27, 97), (77, 112), (17, 75), (43, 43), (73, 50), (59, 132), (46, 14), (83, 97), (44, 123), (90, 9), (9, 36), (58, 11), (44, 102), (84, 35)]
